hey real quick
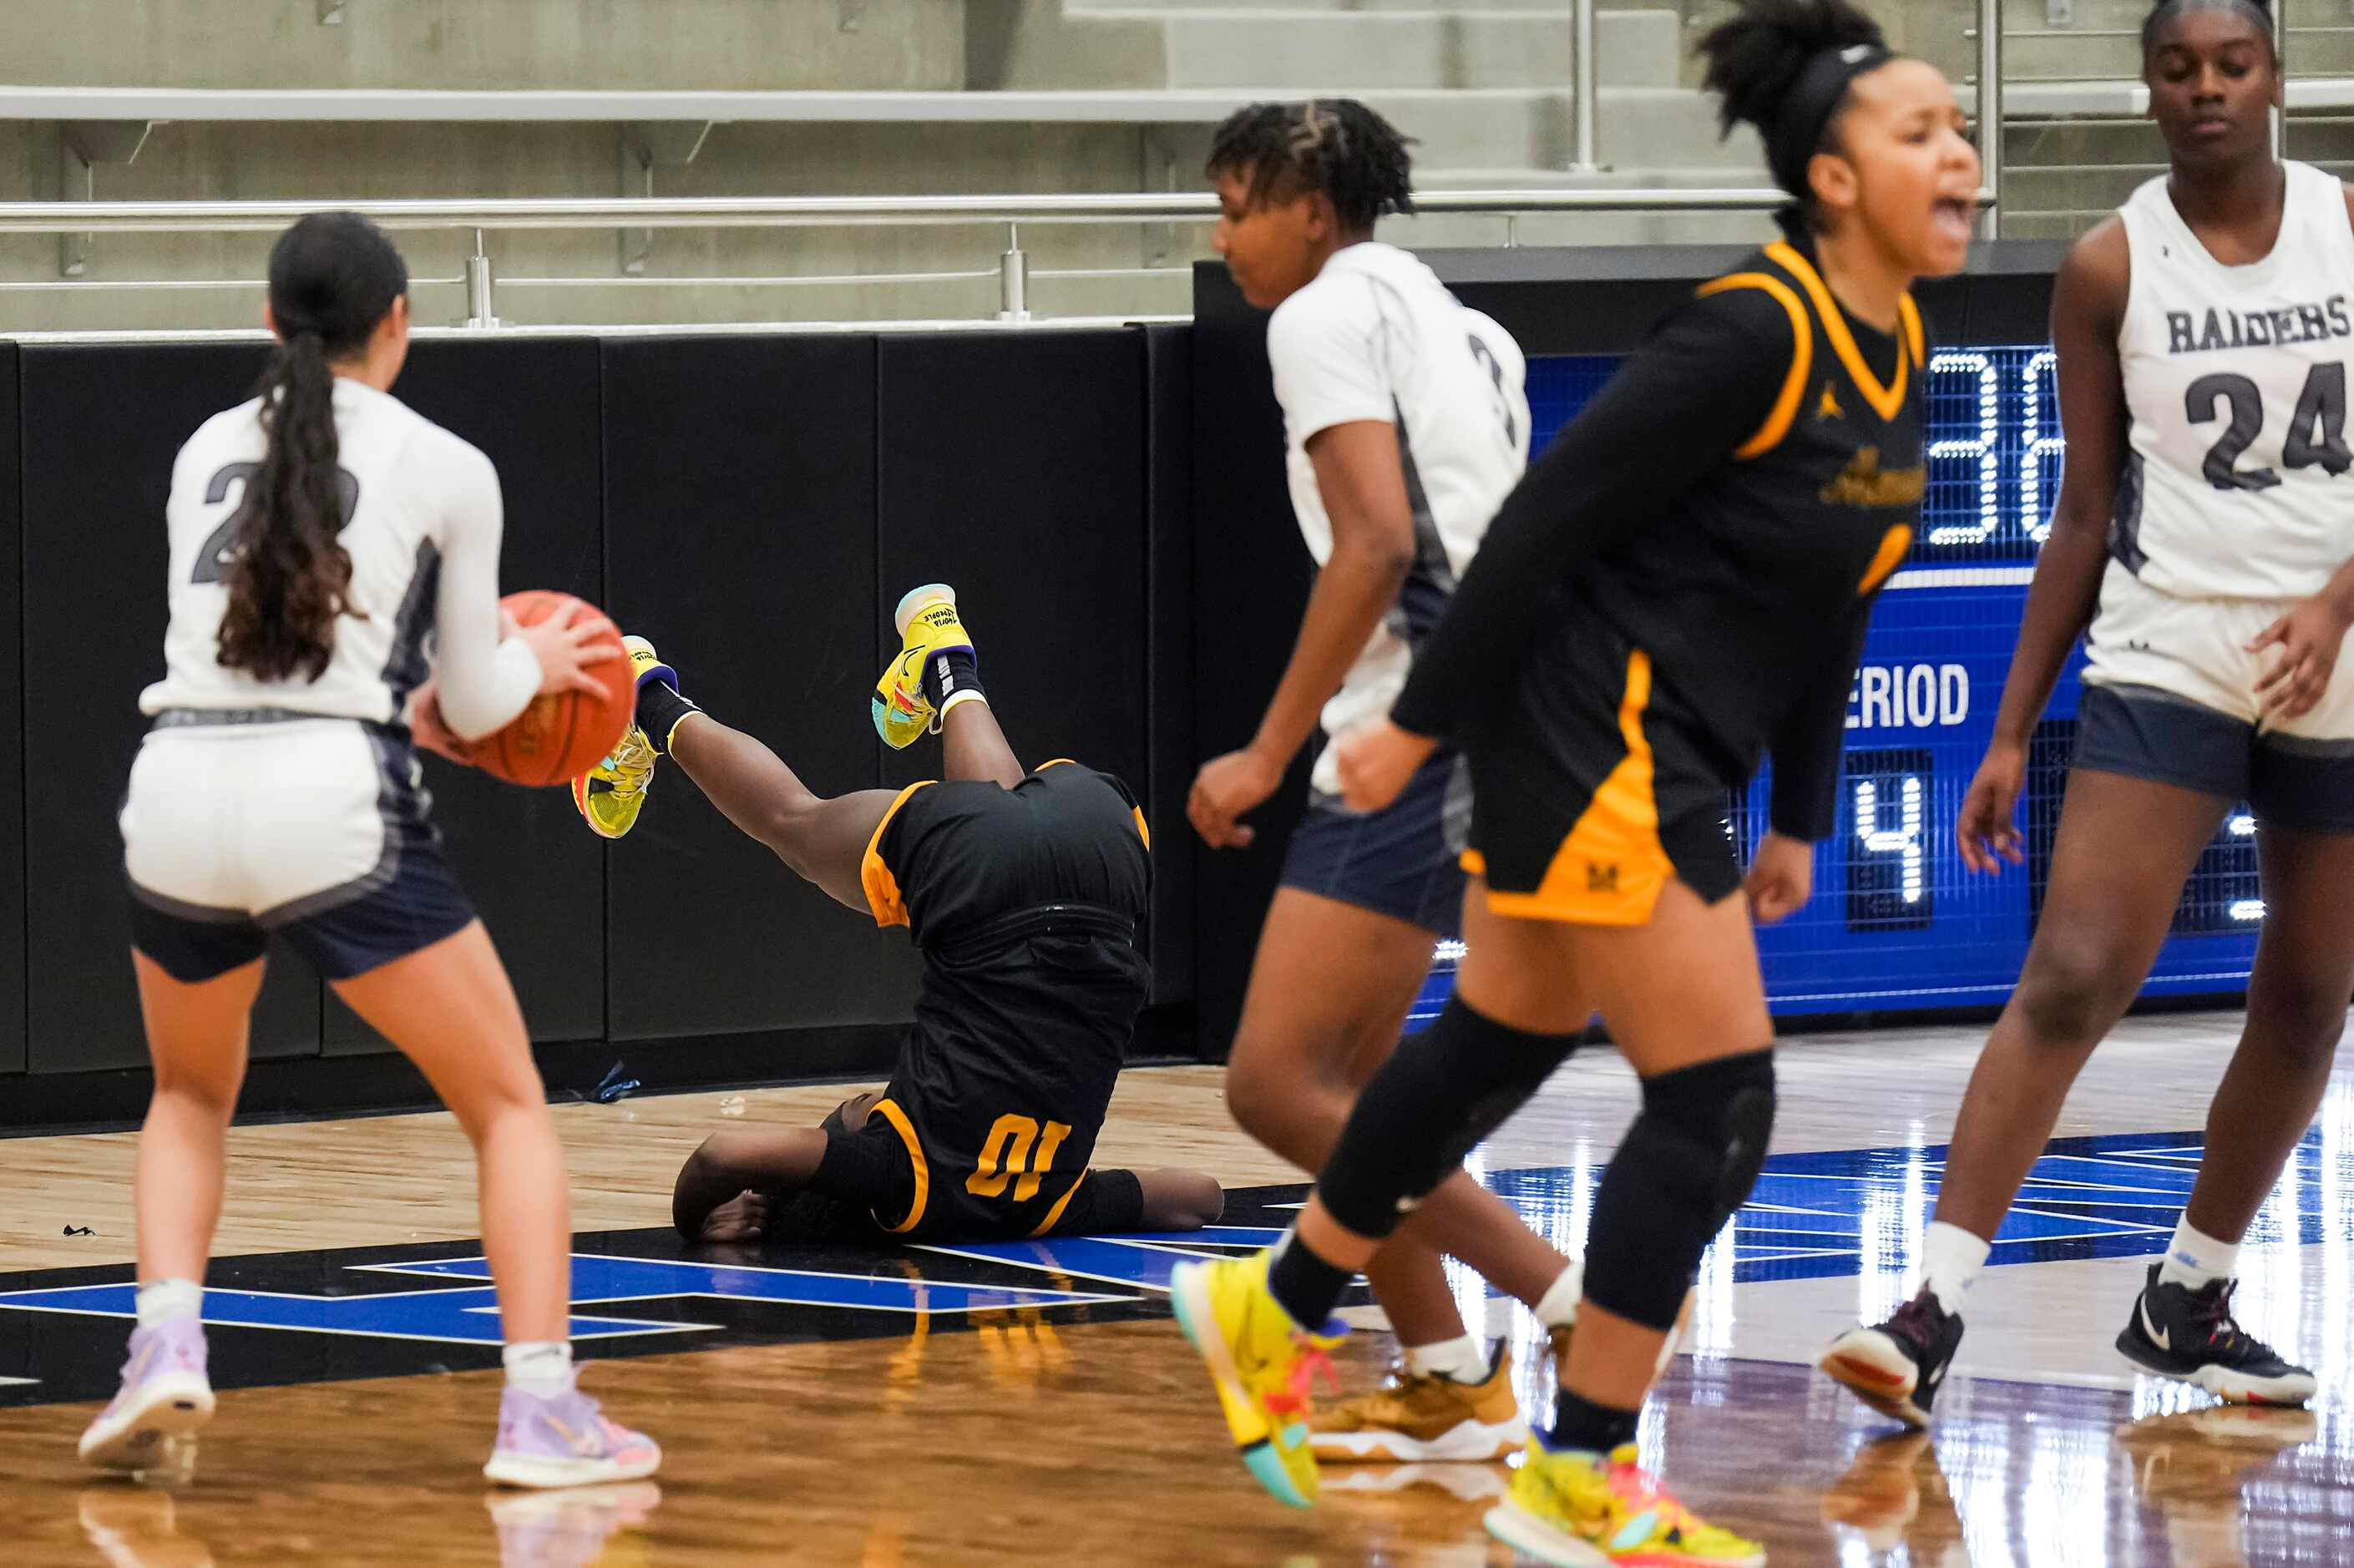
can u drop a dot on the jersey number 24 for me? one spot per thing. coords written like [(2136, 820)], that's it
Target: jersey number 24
[(2317, 434)]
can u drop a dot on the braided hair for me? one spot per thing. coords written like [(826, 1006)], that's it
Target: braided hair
[(1335, 145)]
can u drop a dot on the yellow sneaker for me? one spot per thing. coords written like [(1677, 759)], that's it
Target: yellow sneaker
[(1577, 1511), (928, 624), (1411, 1419), (1261, 1362), (612, 794)]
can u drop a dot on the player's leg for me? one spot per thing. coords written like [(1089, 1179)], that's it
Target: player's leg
[(2181, 1324), (1179, 1200), (450, 1009), (2124, 848), (822, 838), (972, 747), (196, 1039)]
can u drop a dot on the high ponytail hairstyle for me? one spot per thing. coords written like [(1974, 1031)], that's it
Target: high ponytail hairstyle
[(1336, 145), (333, 279), (1784, 66)]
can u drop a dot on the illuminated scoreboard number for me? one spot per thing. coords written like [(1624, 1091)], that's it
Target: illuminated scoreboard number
[(1995, 452), (2222, 896), (1888, 809)]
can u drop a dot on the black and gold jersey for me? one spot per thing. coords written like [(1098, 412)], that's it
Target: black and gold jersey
[(1728, 504), (1026, 904)]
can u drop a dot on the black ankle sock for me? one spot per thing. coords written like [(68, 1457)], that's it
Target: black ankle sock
[(1303, 1284), (1590, 1428), (946, 674), (659, 710)]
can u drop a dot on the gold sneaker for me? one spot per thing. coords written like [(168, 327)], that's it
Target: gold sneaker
[(928, 625), (1411, 1419)]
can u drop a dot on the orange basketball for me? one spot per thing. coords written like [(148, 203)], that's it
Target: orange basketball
[(560, 735)]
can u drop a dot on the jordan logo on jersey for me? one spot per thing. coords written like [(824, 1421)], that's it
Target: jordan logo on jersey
[(1828, 409), (1863, 483), (2186, 333)]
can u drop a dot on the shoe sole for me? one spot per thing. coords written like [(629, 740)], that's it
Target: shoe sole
[(2230, 1387), (1188, 1298), (1466, 1442), (177, 1405), (1887, 1390), (543, 1472), (1464, 1482), (1527, 1534)]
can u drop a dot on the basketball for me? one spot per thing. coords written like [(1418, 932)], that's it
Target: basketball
[(561, 734)]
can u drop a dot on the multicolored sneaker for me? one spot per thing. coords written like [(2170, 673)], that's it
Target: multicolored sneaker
[(928, 625), (1578, 1510), (1897, 1367), (1261, 1362), (165, 1395), (565, 1442), (612, 794), (2178, 1332), (1410, 1418)]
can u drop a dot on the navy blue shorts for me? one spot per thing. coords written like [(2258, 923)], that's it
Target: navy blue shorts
[(1403, 861), (240, 826), (2302, 784)]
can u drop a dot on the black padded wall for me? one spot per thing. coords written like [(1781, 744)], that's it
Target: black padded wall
[(739, 495), (12, 719), (1012, 466), (1169, 596), (529, 864), (1251, 576), (100, 427)]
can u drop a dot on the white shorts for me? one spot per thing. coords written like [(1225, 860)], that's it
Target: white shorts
[(237, 825), (2170, 696)]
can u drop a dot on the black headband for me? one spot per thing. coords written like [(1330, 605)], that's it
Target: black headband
[(1809, 106)]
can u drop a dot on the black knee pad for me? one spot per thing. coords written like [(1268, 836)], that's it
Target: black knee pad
[(1687, 1164), (1441, 1092)]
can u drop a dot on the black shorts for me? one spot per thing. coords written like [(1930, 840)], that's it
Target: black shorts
[(2301, 784), (1585, 802), (876, 1181), (1403, 861)]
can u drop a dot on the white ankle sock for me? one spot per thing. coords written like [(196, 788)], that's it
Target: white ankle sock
[(1463, 1358), (542, 1368), (1950, 1260), (164, 1299), (2194, 1258), (1558, 1305)]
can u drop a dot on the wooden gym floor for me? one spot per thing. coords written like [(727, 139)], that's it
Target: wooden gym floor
[(1034, 1405)]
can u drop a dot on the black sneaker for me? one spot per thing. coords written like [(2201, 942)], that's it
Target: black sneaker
[(1898, 1366), (2180, 1333)]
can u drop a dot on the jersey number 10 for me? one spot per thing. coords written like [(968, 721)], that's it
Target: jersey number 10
[(2317, 434), (1007, 1151)]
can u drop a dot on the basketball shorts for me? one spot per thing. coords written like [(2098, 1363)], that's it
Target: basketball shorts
[(237, 825), (1403, 861), (1587, 801), (2170, 697), (879, 1170)]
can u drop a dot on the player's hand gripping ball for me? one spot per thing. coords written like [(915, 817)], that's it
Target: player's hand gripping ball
[(585, 699)]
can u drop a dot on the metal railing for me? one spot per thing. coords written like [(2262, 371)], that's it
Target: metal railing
[(485, 217)]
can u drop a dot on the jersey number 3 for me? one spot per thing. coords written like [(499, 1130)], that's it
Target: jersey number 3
[(1006, 1154), (2317, 434), (213, 557)]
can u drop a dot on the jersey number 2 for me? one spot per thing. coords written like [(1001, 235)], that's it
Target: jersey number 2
[(2317, 434), (213, 557), (1004, 1157)]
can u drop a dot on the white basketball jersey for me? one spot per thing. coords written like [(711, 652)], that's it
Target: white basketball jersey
[(411, 492), (2236, 485), (1376, 337)]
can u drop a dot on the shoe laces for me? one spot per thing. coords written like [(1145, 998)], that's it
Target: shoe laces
[(1293, 1397), (1638, 1491), (1919, 1320), (2210, 1309), (632, 763)]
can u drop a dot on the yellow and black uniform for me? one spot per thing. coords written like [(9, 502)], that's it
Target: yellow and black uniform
[(1025, 905), (1679, 586)]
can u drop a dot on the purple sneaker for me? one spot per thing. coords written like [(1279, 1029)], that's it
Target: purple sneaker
[(565, 1442), (165, 1395)]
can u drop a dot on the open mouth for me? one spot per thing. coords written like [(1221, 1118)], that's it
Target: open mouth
[(1951, 217)]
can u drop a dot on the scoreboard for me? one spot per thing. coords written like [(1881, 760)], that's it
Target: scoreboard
[(1896, 921)]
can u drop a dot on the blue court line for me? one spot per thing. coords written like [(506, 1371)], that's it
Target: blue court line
[(598, 1278)]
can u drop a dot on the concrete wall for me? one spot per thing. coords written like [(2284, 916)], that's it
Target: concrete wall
[(454, 44)]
